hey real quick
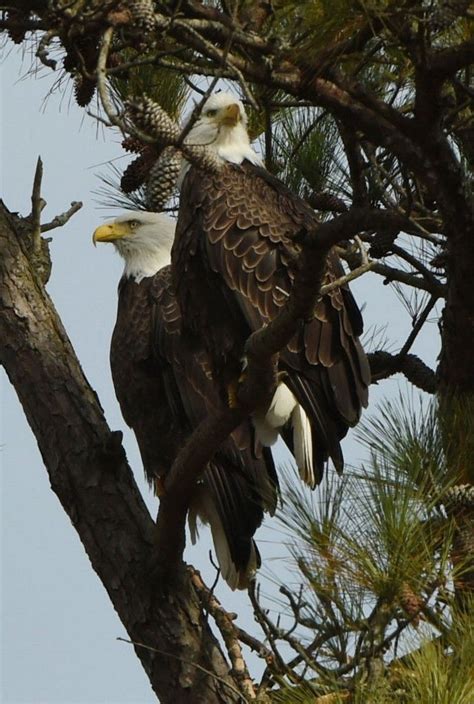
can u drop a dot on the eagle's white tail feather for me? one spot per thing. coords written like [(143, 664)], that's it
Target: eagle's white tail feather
[(204, 507), (283, 408), (279, 412), (192, 519), (303, 445)]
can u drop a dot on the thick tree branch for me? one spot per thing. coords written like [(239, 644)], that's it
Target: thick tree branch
[(89, 474), (383, 364), (445, 62)]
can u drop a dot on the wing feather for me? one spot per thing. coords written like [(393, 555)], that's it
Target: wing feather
[(246, 222), (165, 388)]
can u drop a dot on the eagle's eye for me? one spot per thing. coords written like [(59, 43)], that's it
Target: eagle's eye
[(134, 224), (210, 113)]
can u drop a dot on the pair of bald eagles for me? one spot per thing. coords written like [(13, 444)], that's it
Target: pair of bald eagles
[(179, 338)]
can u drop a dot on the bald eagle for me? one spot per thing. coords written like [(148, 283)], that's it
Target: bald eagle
[(164, 389), (233, 264)]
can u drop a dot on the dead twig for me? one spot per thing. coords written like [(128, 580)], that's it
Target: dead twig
[(367, 265), (42, 50), (418, 324), (37, 205), (63, 218), (225, 623)]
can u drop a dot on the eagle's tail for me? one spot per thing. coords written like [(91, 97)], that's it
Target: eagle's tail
[(227, 503), (284, 409)]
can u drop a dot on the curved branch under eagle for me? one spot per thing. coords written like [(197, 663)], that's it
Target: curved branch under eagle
[(179, 340)]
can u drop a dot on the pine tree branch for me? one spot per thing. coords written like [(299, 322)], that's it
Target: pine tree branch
[(383, 365), (63, 218), (37, 205), (445, 62), (229, 632)]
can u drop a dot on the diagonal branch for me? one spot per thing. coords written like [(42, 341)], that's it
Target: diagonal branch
[(230, 634), (63, 218)]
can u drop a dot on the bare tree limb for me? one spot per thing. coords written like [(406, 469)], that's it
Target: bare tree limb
[(37, 205), (230, 635), (63, 218), (445, 62)]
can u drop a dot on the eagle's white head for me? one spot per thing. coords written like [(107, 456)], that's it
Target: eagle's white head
[(222, 126), (143, 239)]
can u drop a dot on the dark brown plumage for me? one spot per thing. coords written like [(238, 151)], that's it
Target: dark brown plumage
[(164, 390), (233, 265)]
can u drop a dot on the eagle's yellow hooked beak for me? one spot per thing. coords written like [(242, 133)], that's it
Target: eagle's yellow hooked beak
[(230, 115), (110, 232)]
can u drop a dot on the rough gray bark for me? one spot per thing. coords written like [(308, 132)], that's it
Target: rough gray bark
[(89, 473)]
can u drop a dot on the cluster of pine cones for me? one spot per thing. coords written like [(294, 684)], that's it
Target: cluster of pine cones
[(158, 165)]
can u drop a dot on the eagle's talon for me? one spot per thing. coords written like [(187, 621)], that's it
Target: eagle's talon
[(159, 486), (233, 389), (232, 394)]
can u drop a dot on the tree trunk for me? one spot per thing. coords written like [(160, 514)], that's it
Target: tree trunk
[(456, 368), (89, 473)]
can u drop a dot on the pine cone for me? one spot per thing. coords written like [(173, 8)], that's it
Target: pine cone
[(143, 14), (321, 200), (16, 20), (411, 603), (162, 179), (418, 373), (382, 243), (133, 145), (70, 62), (150, 117), (202, 157), (460, 496), (84, 89), (137, 171)]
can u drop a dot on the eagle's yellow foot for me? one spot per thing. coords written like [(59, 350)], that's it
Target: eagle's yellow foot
[(159, 486), (233, 391)]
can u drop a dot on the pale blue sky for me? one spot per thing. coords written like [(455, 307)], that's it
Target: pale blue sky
[(59, 629)]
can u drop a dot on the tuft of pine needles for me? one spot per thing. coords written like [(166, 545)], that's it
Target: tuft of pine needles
[(375, 616)]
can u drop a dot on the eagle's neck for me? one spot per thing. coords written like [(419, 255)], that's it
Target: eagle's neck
[(233, 145), (141, 262)]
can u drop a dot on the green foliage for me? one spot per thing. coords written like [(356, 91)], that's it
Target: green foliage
[(167, 89), (319, 23), (308, 150), (372, 551), (404, 435), (110, 195), (441, 671)]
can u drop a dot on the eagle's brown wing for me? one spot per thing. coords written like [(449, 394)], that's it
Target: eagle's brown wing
[(187, 375), (164, 389), (235, 249), (139, 389)]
